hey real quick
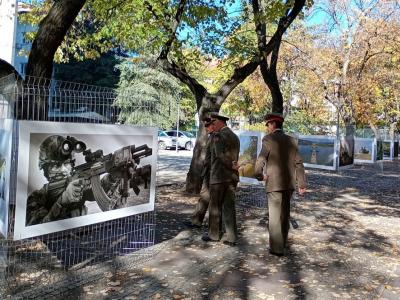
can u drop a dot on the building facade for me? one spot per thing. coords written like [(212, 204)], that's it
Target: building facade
[(14, 46)]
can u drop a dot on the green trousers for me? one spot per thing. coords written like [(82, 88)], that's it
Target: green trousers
[(279, 214), (222, 208), (202, 205)]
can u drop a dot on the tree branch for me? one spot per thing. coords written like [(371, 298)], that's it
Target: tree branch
[(238, 76), (283, 25), (184, 77), (260, 26), (177, 20)]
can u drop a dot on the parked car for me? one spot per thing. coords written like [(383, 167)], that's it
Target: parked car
[(165, 141), (186, 139)]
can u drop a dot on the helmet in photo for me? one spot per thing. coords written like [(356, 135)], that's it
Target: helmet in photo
[(57, 148)]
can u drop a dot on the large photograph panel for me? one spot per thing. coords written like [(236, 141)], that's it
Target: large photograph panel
[(317, 151), (250, 146), (78, 174), (5, 169), (364, 149)]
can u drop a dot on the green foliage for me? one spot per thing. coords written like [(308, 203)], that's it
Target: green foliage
[(147, 95), (300, 122), (187, 110), (297, 122)]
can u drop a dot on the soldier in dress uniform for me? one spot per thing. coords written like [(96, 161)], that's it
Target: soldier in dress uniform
[(280, 158), (224, 151)]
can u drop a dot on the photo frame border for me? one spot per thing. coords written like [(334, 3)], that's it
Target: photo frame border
[(373, 155), (335, 153), (260, 136), (391, 150), (7, 124), (25, 128)]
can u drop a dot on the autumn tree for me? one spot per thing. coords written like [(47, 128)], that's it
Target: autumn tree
[(269, 51), (346, 44)]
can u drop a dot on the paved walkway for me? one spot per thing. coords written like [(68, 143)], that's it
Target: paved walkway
[(172, 166), (346, 247)]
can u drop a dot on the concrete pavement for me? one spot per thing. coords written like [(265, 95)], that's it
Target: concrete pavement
[(172, 166), (346, 247)]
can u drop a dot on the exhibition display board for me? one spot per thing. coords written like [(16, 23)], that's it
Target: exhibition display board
[(318, 151), (107, 172), (364, 150), (250, 147), (387, 150)]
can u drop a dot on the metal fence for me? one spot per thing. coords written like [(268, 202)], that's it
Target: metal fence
[(256, 123), (38, 267)]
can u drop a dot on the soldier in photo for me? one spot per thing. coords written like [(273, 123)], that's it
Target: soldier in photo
[(70, 186)]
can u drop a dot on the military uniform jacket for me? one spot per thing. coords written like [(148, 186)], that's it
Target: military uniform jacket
[(224, 149), (205, 174), (279, 155)]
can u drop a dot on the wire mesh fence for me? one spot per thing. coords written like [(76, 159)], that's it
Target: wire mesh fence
[(38, 267)]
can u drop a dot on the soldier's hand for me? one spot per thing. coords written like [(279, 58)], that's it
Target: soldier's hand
[(73, 192), (302, 191)]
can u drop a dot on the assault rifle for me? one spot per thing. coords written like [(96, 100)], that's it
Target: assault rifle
[(120, 165)]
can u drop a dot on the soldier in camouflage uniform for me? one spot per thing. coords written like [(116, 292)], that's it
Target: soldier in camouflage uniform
[(224, 177), (56, 161)]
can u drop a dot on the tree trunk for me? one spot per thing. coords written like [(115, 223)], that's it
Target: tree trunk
[(271, 49), (193, 177), (346, 156), (271, 80), (392, 129), (51, 33), (375, 129)]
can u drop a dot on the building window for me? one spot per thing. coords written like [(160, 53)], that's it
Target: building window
[(22, 68)]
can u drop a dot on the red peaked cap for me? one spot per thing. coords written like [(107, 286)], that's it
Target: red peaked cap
[(274, 117)]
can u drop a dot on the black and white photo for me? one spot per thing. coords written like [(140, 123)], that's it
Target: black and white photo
[(78, 174)]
